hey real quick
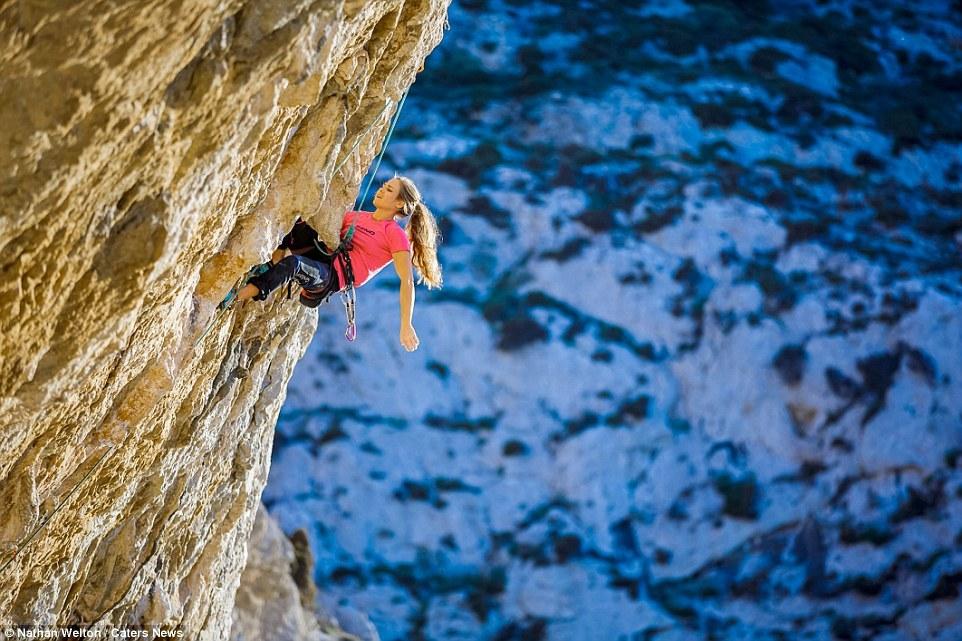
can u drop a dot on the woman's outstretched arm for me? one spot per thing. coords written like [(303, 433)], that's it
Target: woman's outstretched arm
[(402, 264)]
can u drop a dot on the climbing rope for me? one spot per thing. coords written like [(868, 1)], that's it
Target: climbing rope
[(380, 157), (357, 142), (348, 296), (21, 546), (349, 235)]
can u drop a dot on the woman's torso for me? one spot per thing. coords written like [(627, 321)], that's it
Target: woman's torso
[(372, 246)]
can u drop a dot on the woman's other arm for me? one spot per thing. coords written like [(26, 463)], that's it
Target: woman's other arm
[(402, 264)]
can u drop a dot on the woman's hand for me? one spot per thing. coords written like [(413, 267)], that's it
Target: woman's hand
[(409, 338), (402, 263)]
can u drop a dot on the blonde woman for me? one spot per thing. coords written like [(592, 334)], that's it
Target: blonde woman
[(378, 240)]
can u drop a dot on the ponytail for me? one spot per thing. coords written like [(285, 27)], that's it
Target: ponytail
[(422, 231), (424, 235)]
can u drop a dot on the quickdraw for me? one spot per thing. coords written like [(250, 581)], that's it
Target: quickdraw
[(348, 296)]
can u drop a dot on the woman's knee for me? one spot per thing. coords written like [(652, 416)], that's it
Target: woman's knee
[(289, 262), (310, 273), (287, 267)]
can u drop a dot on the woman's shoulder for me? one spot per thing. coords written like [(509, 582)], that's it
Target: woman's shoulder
[(394, 227)]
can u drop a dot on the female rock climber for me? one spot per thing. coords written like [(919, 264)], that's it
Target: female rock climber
[(378, 239)]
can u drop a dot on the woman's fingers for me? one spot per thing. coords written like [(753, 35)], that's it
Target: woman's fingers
[(409, 340)]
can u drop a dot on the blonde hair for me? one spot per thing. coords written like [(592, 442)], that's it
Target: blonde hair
[(422, 231)]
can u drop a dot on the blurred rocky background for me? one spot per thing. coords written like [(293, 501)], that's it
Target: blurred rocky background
[(696, 370), (150, 153)]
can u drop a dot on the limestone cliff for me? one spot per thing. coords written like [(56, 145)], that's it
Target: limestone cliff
[(149, 153), (275, 599)]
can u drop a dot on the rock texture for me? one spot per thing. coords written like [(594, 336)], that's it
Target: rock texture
[(151, 152), (274, 602), (695, 372)]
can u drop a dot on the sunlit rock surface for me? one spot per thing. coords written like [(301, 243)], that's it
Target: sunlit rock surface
[(151, 152), (276, 597), (696, 371)]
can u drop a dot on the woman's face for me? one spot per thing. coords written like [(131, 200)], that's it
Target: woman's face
[(388, 195)]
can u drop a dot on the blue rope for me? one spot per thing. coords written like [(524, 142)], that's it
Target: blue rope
[(357, 142), (350, 230), (347, 294), (380, 157)]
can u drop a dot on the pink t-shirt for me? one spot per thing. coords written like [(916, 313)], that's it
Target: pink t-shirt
[(374, 243)]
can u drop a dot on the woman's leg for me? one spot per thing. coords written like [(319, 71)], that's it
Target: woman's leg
[(309, 274), (247, 291)]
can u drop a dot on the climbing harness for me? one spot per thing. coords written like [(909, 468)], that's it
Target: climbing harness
[(313, 298)]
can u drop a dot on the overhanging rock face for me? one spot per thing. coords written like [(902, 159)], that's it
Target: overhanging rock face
[(149, 154)]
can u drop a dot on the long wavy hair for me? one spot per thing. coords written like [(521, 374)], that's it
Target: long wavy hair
[(422, 231)]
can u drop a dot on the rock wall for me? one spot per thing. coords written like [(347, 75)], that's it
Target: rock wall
[(276, 596), (149, 153)]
